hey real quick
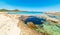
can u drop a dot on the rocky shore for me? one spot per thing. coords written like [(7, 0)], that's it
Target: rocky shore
[(14, 24), (54, 13)]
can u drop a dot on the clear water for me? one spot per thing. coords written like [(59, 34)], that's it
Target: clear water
[(25, 12)]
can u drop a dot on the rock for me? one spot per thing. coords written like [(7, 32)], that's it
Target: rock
[(8, 25), (35, 20), (25, 30), (11, 25), (31, 25)]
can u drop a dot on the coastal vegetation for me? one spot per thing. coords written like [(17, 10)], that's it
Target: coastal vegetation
[(14, 10)]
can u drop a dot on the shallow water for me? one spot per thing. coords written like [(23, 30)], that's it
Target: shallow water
[(25, 12)]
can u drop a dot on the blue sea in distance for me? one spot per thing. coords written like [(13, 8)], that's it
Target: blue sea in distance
[(25, 12)]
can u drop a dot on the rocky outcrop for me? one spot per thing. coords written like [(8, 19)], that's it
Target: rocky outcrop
[(31, 25), (25, 30), (8, 25), (11, 25)]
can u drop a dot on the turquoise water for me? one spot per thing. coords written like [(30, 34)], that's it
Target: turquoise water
[(25, 12)]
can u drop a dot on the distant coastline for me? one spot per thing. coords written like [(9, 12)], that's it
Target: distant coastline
[(53, 13), (14, 10)]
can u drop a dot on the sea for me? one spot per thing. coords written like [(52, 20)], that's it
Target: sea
[(32, 13), (29, 13)]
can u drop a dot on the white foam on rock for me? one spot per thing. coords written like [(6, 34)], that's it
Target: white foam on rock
[(8, 26)]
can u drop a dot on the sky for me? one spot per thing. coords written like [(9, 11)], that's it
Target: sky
[(31, 5)]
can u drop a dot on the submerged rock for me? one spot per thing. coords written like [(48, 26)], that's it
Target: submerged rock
[(34, 19)]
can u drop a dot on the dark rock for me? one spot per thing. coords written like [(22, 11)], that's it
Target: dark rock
[(34, 19)]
